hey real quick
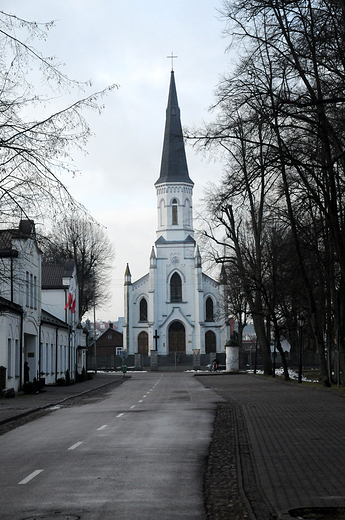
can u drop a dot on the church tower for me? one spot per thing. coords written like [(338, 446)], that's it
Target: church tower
[(175, 307)]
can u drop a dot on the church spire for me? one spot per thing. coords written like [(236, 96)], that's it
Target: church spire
[(174, 163)]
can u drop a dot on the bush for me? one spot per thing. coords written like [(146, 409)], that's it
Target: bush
[(61, 381), (33, 387), (28, 388)]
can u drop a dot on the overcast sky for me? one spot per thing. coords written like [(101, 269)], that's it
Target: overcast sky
[(127, 42)]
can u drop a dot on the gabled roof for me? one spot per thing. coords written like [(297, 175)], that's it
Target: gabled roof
[(174, 163), (52, 274)]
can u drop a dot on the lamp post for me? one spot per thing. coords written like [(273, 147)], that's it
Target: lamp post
[(300, 325), (94, 317)]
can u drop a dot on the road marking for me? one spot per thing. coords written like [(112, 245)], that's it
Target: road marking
[(75, 445), (140, 401), (132, 407), (120, 415), (102, 427), (144, 395), (31, 476)]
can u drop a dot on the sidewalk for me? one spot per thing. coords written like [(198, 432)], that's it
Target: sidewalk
[(293, 436), (25, 404)]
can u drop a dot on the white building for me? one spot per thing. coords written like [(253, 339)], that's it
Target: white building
[(63, 344), (36, 330), (20, 289), (175, 307)]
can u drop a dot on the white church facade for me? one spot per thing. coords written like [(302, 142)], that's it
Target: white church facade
[(175, 307)]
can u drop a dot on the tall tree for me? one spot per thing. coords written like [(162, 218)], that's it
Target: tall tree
[(85, 241), (289, 87)]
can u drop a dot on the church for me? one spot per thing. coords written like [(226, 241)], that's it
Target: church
[(175, 307)]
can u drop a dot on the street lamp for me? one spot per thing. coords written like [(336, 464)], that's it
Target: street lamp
[(301, 321), (94, 317)]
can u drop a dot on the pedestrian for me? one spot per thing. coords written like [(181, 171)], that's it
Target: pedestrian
[(26, 372), (215, 363)]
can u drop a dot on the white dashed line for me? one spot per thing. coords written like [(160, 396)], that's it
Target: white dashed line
[(140, 401), (132, 407), (120, 415), (31, 476), (75, 445), (102, 427)]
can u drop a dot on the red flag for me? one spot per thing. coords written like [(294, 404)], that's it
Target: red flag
[(71, 299)]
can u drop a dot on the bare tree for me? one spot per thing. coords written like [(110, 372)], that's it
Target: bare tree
[(35, 143), (85, 241)]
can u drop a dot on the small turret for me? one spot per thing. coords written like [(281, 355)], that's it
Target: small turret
[(153, 259), (197, 258), (128, 276), (223, 276)]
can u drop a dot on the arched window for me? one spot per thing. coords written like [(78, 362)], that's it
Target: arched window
[(174, 212), (209, 309), (187, 213), (143, 309), (161, 213), (175, 288)]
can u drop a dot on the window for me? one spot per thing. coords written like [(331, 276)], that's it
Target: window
[(35, 292), (209, 309), (52, 360), (175, 288), (174, 212), (17, 358), (9, 358), (31, 290), (143, 309), (27, 288), (41, 359), (47, 358)]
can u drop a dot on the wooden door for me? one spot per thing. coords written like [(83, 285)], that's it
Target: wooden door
[(143, 343), (177, 337), (210, 342)]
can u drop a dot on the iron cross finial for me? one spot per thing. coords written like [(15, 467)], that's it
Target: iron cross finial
[(172, 60)]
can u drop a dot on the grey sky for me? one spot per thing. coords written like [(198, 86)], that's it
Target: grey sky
[(127, 42)]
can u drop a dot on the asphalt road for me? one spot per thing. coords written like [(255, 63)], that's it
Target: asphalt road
[(137, 454)]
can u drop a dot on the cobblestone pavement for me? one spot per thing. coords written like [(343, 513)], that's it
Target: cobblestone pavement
[(290, 443), (276, 446)]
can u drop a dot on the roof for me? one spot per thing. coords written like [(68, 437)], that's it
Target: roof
[(52, 320), (104, 341), (52, 274), (174, 163), (25, 230), (7, 305)]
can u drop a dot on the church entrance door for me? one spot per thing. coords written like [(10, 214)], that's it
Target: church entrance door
[(143, 343), (210, 342), (177, 337)]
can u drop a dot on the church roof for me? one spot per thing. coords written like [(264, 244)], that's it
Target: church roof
[(174, 163)]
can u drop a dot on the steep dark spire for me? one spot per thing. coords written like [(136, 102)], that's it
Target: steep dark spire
[(174, 163)]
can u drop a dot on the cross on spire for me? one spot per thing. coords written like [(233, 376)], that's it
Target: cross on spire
[(172, 60)]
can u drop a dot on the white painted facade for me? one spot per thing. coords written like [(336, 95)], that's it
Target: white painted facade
[(49, 343), (183, 305), (20, 286)]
